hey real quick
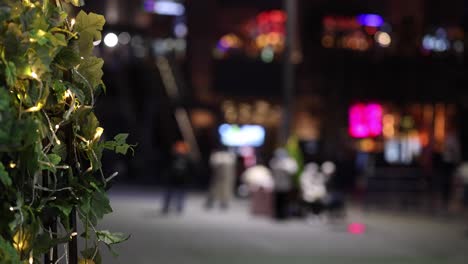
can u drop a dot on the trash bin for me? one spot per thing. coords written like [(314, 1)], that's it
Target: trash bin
[(261, 202)]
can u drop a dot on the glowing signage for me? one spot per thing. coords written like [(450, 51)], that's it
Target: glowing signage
[(365, 120), (164, 7), (238, 136), (370, 20)]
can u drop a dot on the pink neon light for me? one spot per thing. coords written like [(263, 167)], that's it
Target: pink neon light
[(365, 120), (356, 228)]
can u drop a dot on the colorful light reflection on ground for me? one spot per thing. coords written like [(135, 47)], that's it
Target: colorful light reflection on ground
[(356, 228)]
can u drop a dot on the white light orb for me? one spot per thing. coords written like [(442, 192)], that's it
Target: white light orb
[(111, 40)]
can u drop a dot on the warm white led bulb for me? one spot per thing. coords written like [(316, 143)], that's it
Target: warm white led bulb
[(111, 40)]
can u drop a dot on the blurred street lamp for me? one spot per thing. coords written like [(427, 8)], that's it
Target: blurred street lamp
[(124, 38), (383, 39), (111, 40)]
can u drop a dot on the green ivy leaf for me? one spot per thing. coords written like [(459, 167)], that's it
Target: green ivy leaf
[(119, 144), (4, 177), (60, 150), (44, 242), (122, 149), (89, 126), (109, 238), (8, 254), (89, 27), (76, 2), (4, 100), (59, 88), (94, 206), (121, 138), (79, 93), (57, 39), (100, 204), (91, 70), (10, 73), (67, 58), (64, 208), (54, 159)]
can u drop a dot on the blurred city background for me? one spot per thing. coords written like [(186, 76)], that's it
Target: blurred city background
[(324, 131)]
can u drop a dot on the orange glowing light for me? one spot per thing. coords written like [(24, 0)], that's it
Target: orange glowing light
[(388, 131), (328, 41), (424, 138), (389, 119), (367, 145), (262, 40), (439, 123), (273, 38), (230, 41)]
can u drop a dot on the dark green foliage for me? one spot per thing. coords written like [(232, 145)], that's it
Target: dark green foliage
[(50, 139)]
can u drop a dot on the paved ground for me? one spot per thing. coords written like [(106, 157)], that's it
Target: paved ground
[(204, 237)]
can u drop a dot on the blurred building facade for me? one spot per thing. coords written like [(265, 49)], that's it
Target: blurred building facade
[(227, 56)]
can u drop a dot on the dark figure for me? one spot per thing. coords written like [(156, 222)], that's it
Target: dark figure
[(450, 159), (283, 168), (177, 178)]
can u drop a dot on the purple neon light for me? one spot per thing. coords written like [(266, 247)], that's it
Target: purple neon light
[(164, 7), (365, 120), (149, 5), (370, 20), (222, 46)]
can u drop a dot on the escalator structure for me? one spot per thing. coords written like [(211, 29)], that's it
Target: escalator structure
[(172, 86)]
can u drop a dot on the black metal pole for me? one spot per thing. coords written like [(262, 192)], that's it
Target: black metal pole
[(51, 225), (290, 7), (73, 244)]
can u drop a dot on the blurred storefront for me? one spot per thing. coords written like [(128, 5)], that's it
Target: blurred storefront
[(226, 59)]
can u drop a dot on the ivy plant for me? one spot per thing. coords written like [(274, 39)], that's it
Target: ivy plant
[(50, 137)]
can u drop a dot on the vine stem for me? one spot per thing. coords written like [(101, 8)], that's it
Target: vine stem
[(91, 92)]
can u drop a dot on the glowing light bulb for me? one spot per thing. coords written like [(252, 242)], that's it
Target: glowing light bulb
[(72, 22), (41, 33), (58, 142), (267, 54), (383, 39), (12, 209), (21, 240), (98, 133), (34, 108), (12, 165), (111, 40), (124, 38), (57, 127), (34, 75), (68, 94)]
